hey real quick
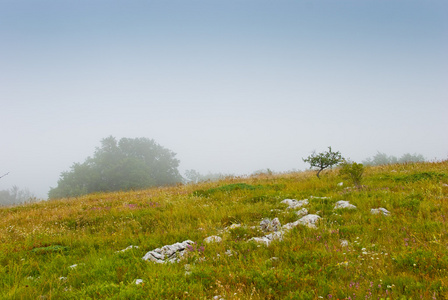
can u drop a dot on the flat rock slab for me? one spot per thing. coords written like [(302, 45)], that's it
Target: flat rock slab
[(169, 253)]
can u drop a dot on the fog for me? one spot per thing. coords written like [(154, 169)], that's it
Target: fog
[(230, 86)]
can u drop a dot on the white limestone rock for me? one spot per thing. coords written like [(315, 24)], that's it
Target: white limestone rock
[(309, 221), (375, 211), (261, 240), (290, 226), (213, 239), (302, 212), (233, 226), (128, 248), (169, 253), (268, 225), (267, 239), (344, 204), (293, 203)]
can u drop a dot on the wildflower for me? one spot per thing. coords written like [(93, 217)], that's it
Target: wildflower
[(390, 286)]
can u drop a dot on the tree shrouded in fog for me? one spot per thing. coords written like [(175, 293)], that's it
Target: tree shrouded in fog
[(384, 159), (120, 165), (15, 195)]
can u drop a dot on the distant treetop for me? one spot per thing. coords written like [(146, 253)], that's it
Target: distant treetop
[(124, 165), (384, 159)]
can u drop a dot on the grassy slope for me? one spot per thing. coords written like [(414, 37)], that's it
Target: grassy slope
[(401, 255)]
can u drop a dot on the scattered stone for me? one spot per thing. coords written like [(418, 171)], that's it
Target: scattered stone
[(344, 204), (229, 252), (233, 226), (128, 248), (302, 212), (261, 240), (213, 239), (309, 221), (290, 226), (138, 281), (375, 211), (293, 203), (187, 269), (267, 239), (344, 243), (340, 184), (268, 225), (169, 253)]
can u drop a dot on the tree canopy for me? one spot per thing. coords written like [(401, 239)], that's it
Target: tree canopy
[(323, 160), (120, 165)]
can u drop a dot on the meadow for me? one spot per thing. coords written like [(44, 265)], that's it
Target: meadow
[(70, 248)]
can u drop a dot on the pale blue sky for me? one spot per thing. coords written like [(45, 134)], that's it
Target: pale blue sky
[(230, 86)]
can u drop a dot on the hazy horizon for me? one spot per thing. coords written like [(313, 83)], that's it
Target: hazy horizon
[(230, 86)]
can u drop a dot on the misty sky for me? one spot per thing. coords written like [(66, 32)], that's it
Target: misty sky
[(230, 86)]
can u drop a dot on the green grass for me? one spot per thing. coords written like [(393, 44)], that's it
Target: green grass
[(403, 256)]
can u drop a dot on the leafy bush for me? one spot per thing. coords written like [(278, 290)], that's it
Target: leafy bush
[(352, 171)]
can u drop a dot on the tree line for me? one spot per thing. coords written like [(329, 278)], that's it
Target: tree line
[(141, 163), (15, 195)]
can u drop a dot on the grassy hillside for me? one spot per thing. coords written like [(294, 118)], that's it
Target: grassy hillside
[(401, 256)]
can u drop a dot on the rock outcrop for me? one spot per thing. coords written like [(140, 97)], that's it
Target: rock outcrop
[(375, 211), (302, 212), (293, 203), (309, 221), (268, 225), (344, 204), (169, 253)]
